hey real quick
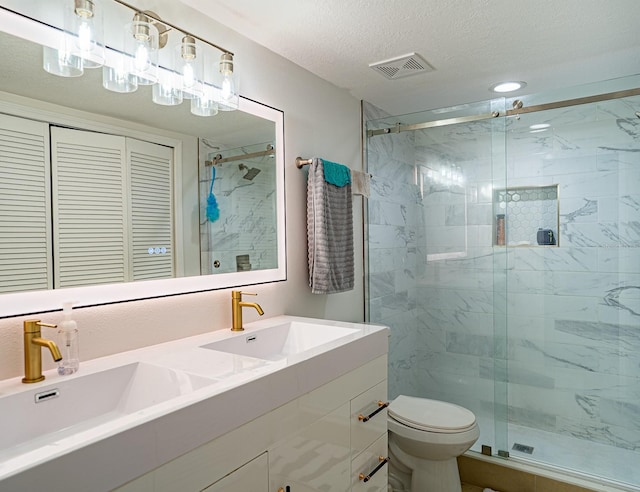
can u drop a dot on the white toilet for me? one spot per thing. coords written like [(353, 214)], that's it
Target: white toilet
[(425, 438)]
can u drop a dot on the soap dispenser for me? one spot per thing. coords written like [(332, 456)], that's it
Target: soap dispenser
[(68, 342)]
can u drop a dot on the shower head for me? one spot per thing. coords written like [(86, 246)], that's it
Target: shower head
[(251, 173)]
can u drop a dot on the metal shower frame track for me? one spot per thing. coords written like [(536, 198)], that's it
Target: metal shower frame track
[(517, 110)]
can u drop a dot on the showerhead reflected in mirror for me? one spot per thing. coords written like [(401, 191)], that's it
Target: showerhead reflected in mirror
[(250, 173)]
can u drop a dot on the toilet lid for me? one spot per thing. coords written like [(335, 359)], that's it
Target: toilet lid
[(431, 415)]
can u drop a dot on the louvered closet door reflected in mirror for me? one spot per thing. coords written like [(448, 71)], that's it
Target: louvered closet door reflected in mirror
[(25, 214), (112, 211)]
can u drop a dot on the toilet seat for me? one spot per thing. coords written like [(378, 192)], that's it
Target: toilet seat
[(431, 415)]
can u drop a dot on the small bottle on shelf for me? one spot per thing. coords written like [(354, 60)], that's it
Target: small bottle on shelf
[(500, 230)]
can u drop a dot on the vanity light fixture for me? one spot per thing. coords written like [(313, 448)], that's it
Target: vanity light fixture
[(134, 59), (510, 86)]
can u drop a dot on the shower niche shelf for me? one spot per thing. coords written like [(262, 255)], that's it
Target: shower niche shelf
[(526, 216)]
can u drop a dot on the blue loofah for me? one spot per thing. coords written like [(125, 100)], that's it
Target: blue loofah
[(213, 212)]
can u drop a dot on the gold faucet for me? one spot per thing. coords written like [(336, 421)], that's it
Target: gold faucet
[(236, 308), (33, 344)]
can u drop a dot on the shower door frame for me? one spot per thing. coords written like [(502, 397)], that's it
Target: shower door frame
[(518, 108)]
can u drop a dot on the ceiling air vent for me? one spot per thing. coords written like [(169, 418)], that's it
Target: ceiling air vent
[(402, 66)]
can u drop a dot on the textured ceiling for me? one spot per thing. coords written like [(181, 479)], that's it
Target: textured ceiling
[(470, 43)]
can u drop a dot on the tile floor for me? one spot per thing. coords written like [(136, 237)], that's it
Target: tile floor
[(477, 474)]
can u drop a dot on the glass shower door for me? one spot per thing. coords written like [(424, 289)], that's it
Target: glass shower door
[(433, 267), (572, 212)]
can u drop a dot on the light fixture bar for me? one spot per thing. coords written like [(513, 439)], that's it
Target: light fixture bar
[(153, 16)]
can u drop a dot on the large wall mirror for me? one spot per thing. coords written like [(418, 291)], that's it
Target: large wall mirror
[(106, 197)]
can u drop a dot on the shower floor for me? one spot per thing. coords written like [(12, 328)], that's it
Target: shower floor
[(577, 456)]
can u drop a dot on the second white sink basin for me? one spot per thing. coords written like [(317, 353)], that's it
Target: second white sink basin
[(281, 341), (48, 413)]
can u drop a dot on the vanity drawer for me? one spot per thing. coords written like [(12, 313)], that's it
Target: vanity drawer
[(368, 417), (370, 470)]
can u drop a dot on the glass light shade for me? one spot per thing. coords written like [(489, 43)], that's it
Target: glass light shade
[(188, 62), (118, 78), (84, 20), (60, 61), (167, 91), (141, 43), (228, 95), (204, 104)]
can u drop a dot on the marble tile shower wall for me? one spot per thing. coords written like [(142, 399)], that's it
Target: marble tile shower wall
[(572, 313), (394, 210)]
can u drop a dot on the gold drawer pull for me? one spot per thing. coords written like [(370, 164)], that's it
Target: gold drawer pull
[(366, 478), (381, 406)]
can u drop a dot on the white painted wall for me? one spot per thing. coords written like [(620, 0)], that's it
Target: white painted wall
[(320, 120)]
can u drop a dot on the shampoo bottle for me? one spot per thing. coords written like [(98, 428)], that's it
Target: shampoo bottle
[(68, 342)]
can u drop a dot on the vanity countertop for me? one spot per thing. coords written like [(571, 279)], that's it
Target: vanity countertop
[(210, 392)]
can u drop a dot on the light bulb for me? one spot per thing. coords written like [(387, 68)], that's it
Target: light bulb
[(227, 88), (141, 58), (188, 76), (85, 35)]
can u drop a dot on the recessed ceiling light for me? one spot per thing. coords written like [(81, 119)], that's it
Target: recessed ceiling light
[(507, 86), (539, 126)]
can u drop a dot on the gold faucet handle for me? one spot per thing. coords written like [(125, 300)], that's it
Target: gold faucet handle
[(237, 294), (34, 325)]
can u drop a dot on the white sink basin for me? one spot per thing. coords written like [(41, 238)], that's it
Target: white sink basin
[(281, 341), (51, 412)]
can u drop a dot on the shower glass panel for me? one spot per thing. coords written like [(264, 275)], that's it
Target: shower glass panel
[(432, 267), (504, 254), (573, 312)]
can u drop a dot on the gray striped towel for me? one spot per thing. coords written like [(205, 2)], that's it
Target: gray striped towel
[(329, 233)]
